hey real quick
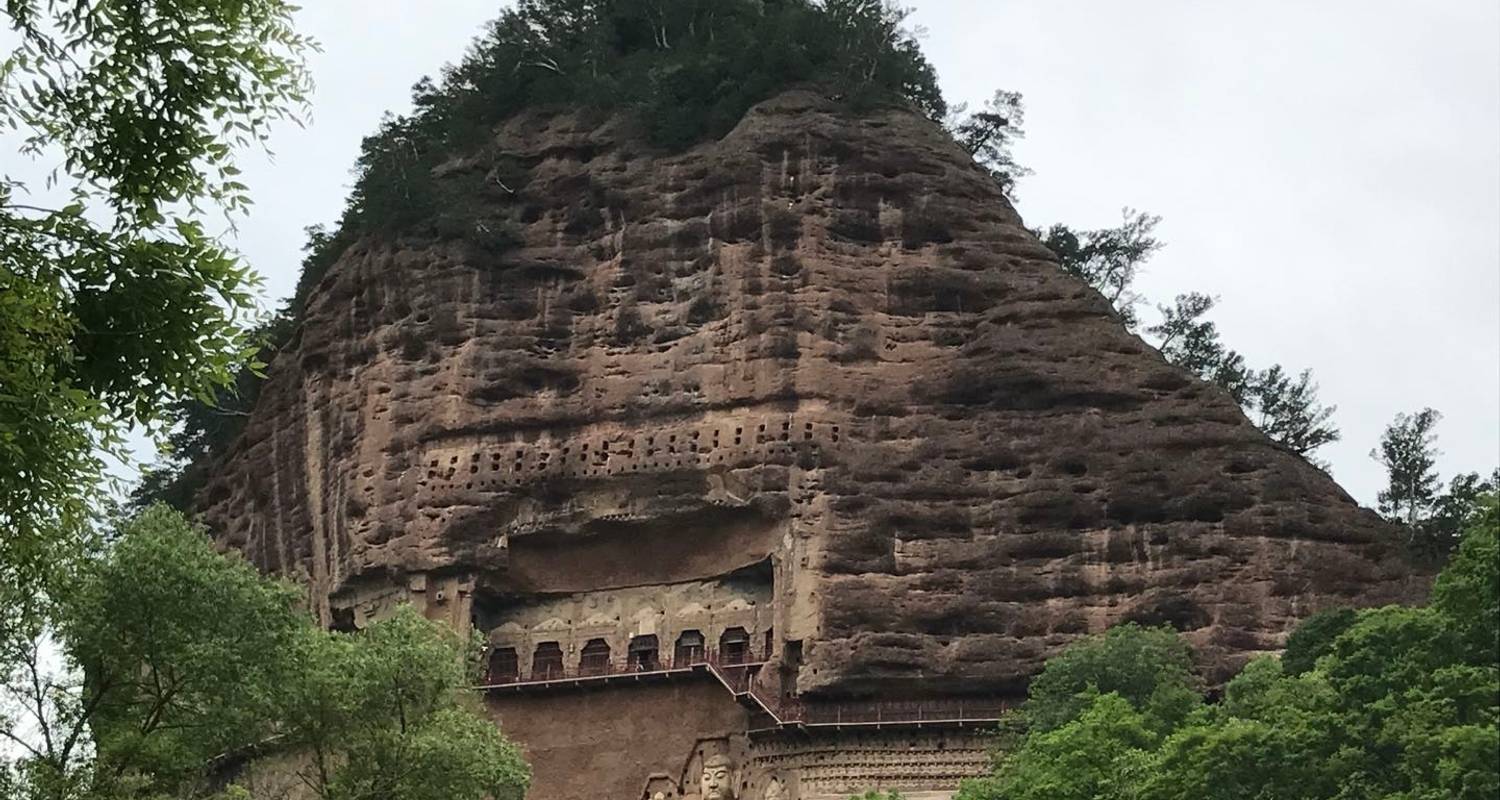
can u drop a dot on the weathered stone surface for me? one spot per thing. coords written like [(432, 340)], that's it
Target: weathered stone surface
[(824, 343)]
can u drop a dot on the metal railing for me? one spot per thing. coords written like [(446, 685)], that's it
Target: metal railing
[(738, 677), (858, 712), (614, 668)]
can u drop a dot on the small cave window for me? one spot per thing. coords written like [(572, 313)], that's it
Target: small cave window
[(643, 654), (594, 660), (734, 646), (505, 665), (689, 649), (547, 661), (793, 654)]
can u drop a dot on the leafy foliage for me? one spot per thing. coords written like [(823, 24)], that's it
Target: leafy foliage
[(988, 135), (1108, 259), (115, 304), (1286, 409), (1397, 703), (1313, 638), (685, 69), (181, 660), (1289, 412), (1408, 451), (1147, 667), (1190, 341), (1414, 498), (384, 713)]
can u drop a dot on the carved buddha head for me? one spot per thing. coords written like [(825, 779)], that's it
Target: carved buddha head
[(717, 782)]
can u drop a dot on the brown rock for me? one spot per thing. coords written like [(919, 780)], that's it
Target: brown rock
[(821, 356)]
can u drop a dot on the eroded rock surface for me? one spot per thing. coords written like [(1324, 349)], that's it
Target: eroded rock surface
[(823, 351)]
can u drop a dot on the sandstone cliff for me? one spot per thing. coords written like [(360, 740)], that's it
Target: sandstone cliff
[(823, 347)]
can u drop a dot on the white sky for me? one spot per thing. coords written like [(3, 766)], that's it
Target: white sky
[(1330, 170)]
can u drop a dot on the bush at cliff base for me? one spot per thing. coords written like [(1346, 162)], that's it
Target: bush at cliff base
[(1391, 703)]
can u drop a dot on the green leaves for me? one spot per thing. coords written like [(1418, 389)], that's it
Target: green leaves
[(181, 658), (685, 69), (1467, 592), (1285, 409), (1108, 259), (184, 649), (117, 305), (1148, 667), (1414, 498), (146, 100), (386, 713), (988, 135)]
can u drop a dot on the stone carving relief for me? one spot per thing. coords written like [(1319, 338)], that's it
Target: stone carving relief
[(839, 766)]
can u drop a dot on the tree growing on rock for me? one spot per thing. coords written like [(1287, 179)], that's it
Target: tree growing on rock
[(1408, 451), (1108, 259), (1414, 497), (989, 134)]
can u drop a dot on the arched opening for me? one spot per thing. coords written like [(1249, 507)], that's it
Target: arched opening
[(547, 662), (643, 654), (594, 660), (689, 649), (734, 646), (505, 665)]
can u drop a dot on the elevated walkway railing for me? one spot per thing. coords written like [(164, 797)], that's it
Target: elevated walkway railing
[(560, 674), (738, 678)]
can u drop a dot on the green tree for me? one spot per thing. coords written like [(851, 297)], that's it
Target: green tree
[(114, 302), (1455, 508), (1285, 409), (1149, 668), (386, 713), (1467, 592), (1313, 638), (1108, 259), (173, 652), (989, 134), (1098, 755), (180, 660), (1289, 412), (1189, 340), (1408, 451)]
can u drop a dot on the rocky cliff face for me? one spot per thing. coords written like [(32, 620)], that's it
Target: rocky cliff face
[(825, 344)]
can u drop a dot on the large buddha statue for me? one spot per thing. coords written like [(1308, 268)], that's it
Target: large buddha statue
[(718, 779)]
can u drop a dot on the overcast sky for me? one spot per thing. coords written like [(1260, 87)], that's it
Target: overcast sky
[(1330, 170)]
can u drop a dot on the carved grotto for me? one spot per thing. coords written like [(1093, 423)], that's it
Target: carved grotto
[(783, 460)]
